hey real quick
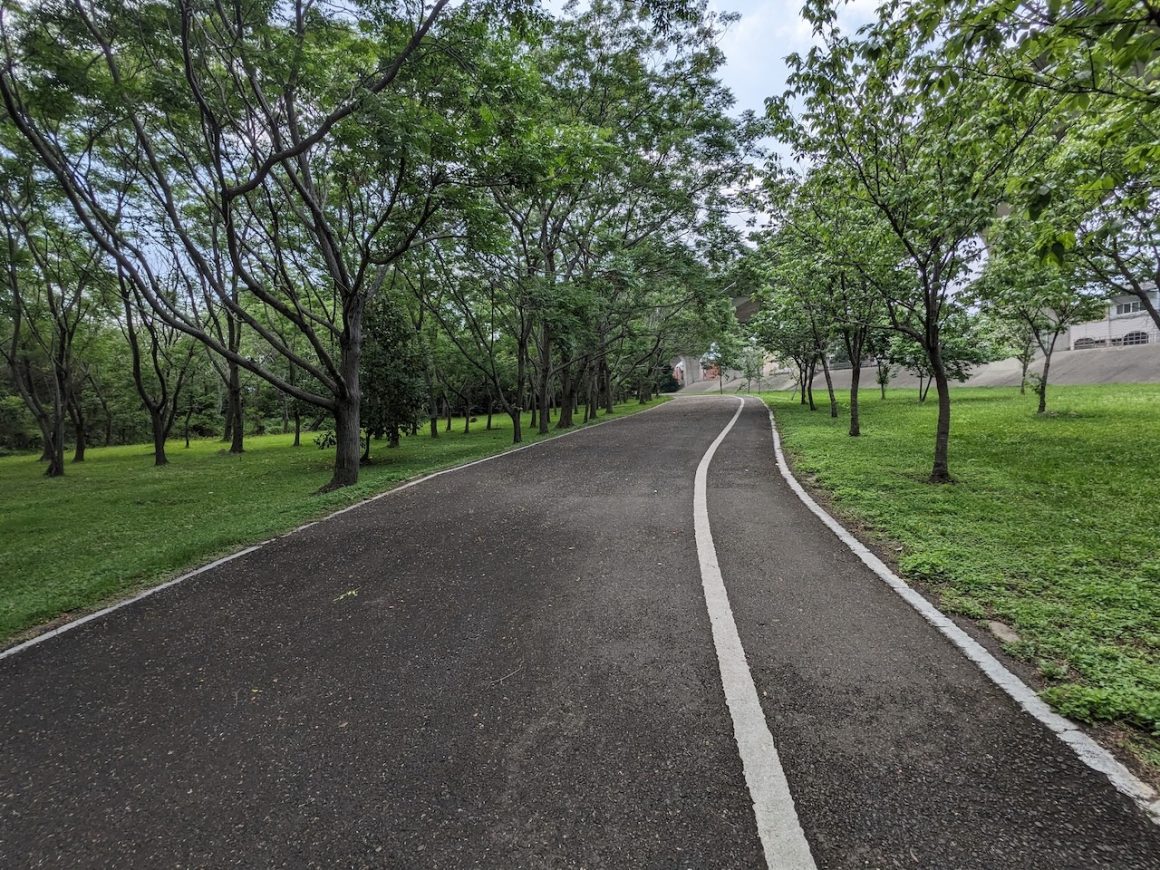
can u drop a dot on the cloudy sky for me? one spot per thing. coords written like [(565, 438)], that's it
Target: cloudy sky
[(768, 31)]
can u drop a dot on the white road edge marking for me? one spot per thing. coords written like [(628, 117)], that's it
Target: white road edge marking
[(782, 839), (152, 590), (1088, 751)]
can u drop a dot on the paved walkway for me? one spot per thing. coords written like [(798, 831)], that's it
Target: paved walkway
[(512, 666)]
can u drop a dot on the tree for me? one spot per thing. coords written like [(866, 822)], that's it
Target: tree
[(394, 391), (931, 159), (53, 281), (1045, 299), (299, 149)]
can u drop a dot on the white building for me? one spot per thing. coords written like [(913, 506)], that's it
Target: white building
[(1126, 323)]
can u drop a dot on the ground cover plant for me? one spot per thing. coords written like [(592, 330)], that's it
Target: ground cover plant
[(1049, 527), (117, 523)]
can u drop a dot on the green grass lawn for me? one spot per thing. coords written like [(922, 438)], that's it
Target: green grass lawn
[(115, 523), (1051, 526)]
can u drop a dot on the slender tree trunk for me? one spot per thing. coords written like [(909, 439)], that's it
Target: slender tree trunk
[(392, 436), (238, 430), (188, 417), (157, 422), (829, 386), (545, 378), (940, 472), (567, 399), (1041, 387), (490, 411), (855, 417), (297, 427), (447, 410), (810, 384), (80, 430), (366, 454), (81, 442), (606, 386), (54, 445)]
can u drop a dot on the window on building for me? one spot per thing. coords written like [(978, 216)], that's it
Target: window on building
[(1129, 307), (1084, 343), (1136, 338)]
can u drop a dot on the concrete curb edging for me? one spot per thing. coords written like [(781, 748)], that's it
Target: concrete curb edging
[(152, 590), (1086, 749)]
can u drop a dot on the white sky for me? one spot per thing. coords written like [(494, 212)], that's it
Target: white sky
[(769, 30)]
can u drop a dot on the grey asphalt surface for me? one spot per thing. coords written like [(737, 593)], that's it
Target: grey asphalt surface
[(511, 666)]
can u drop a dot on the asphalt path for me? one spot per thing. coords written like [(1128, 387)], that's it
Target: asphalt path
[(512, 665)]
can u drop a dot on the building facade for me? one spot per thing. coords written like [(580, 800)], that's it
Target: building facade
[(1125, 324)]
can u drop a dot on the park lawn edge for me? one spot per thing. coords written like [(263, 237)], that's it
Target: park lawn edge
[(144, 586), (1135, 748)]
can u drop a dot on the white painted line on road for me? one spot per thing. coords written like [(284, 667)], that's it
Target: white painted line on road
[(782, 838), (1088, 751), (125, 602)]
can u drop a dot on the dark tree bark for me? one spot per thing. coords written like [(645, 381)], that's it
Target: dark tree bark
[(940, 472), (76, 413), (855, 416), (829, 385), (810, 370), (567, 397), (545, 373)]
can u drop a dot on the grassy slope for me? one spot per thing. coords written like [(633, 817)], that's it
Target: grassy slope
[(1051, 526), (116, 523)]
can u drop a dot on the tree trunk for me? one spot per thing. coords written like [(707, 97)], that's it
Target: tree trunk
[(829, 386), (348, 447), (346, 413), (392, 436), (939, 472), (366, 454), (545, 378), (1041, 387), (810, 384), (157, 421), (490, 411), (447, 411), (297, 427), (567, 399), (188, 415), (53, 433), (82, 441), (238, 434), (855, 419), (606, 387)]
